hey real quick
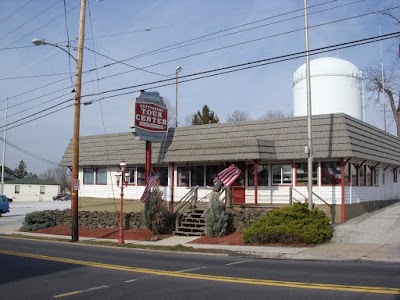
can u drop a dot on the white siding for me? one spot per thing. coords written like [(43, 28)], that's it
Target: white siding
[(31, 192)]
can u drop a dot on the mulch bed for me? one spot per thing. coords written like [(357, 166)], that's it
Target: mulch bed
[(139, 235)]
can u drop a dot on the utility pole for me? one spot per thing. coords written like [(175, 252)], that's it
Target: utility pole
[(309, 113), (4, 150), (75, 139)]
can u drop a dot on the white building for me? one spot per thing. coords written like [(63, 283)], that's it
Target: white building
[(31, 189)]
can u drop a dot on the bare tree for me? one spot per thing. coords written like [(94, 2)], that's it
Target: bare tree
[(237, 116), (274, 114), (61, 175), (188, 120), (171, 112), (384, 85)]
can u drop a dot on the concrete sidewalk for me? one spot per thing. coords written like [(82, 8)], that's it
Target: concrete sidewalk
[(371, 237)]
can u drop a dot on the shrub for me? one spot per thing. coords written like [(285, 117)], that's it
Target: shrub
[(216, 219), (156, 216), (288, 225), (38, 220)]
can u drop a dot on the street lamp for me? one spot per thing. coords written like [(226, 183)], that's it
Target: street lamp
[(40, 42), (123, 178), (178, 69)]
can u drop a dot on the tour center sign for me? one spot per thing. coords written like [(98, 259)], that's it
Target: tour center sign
[(148, 117)]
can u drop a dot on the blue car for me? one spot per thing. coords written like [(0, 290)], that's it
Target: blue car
[(4, 205)]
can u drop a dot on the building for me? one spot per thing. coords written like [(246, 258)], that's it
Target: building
[(8, 173), (356, 165), (31, 189)]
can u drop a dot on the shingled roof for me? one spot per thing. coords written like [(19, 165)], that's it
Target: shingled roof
[(334, 136)]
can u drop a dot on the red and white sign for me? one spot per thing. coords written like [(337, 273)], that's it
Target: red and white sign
[(151, 117)]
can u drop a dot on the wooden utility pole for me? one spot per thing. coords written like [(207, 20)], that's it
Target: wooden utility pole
[(77, 113)]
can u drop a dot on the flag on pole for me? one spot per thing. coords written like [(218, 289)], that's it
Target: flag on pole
[(229, 175), (150, 183)]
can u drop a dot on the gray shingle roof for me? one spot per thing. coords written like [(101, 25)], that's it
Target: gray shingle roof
[(31, 180), (334, 136)]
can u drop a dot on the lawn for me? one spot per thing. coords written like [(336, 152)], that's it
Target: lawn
[(111, 205)]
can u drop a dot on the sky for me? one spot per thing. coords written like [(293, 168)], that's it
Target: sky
[(132, 44)]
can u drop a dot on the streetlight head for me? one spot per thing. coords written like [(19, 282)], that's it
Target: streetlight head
[(122, 165), (178, 69), (38, 42)]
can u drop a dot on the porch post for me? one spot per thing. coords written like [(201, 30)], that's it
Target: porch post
[(255, 171), (343, 206), (172, 166)]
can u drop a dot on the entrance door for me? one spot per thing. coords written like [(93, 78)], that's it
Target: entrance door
[(238, 194)]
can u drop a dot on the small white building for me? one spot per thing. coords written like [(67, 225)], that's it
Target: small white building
[(31, 189)]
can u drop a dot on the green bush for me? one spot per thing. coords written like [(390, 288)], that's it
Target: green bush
[(216, 219), (290, 225), (38, 220), (156, 216)]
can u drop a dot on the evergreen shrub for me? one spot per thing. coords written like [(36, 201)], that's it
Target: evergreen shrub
[(216, 219), (290, 225), (156, 216), (38, 220)]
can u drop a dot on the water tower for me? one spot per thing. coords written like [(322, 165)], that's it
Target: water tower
[(336, 87)]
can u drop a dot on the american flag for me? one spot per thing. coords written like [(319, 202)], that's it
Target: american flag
[(229, 175), (150, 183)]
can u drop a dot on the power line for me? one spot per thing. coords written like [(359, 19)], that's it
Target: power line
[(51, 21), (31, 154), (212, 73), (34, 17), (18, 9), (212, 50), (193, 39)]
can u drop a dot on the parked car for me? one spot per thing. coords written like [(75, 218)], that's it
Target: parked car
[(4, 205), (62, 197)]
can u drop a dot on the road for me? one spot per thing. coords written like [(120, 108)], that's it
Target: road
[(50, 270)]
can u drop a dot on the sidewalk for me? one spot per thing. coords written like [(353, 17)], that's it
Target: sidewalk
[(371, 237)]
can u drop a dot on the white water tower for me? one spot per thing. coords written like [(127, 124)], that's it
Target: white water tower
[(336, 87)]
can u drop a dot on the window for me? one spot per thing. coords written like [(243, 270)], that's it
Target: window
[(347, 174), (162, 173), (131, 175), (281, 174), (375, 176), (101, 176), (362, 175), (354, 174), (210, 171), (16, 189), (331, 173), (262, 175), (42, 190), (88, 176), (197, 175), (141, 178), (183, 176), (395, 175), (302, 173), (368, 175)]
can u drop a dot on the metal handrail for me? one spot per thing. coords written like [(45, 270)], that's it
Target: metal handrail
[(189, 196), (305, 198)]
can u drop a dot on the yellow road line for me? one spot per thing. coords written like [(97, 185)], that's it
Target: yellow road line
[(262, 282)]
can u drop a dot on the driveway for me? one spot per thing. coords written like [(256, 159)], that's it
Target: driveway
[(378, 227), (13, 220)]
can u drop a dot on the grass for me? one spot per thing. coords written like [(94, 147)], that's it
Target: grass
[(110, 205)]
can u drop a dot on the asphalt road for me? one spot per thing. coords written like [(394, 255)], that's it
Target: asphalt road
[(43, 270)]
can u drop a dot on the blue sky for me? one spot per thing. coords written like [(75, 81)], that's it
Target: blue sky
[(127, 28)]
